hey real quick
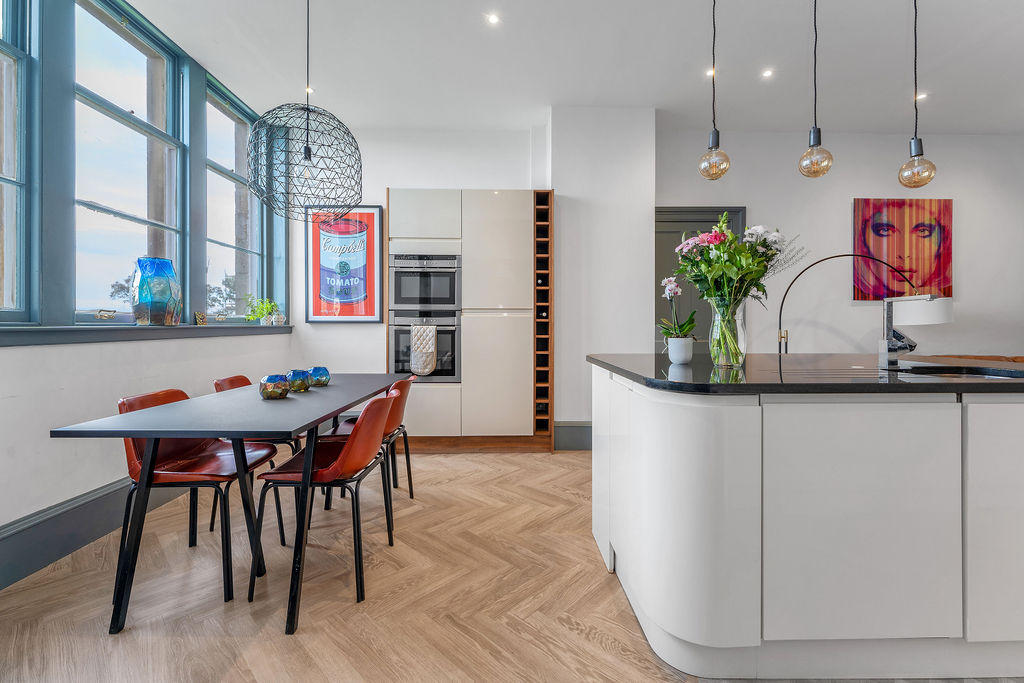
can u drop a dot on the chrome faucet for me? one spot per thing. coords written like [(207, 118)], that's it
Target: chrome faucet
[(893, 342)]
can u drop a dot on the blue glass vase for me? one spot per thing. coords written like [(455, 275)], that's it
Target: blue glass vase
[(298, 380), (319, 376), (156, 292)]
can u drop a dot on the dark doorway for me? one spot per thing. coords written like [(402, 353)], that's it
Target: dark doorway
[(672, 224)]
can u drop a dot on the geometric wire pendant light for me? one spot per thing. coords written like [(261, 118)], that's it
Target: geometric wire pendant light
[(917, 171), (713, 163), (301, 155), (817, 160)]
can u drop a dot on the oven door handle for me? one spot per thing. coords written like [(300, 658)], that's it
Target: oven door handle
[(397, 270)]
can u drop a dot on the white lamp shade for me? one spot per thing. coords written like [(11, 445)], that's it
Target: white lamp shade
[(922, 312)]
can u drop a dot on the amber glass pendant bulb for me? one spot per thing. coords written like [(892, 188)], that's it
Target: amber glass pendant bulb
[(916, 171), (817, 160), (713, 163)]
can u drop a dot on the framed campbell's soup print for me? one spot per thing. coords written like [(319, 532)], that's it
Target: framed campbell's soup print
[(915, 236), (344, 264)]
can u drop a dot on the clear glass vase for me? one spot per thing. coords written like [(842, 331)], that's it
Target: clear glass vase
[(728, 339)]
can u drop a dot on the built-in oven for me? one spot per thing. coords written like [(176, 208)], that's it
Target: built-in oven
[(425, 282), (449, 341)]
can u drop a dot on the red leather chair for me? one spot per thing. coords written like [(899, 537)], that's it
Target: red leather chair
[(234, 382), (190, 463), (341, 464), (392, 430)]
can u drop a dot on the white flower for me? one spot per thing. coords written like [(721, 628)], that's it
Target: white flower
[(666, 281), (755, 233), (672, 289), (774, 239)]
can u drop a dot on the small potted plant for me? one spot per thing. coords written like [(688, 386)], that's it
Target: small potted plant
[(263, 310), (677, 334)]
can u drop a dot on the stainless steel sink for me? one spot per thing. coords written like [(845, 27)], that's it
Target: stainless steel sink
[(961, 372)]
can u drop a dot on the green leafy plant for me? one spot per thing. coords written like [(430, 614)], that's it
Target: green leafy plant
[(259, 308)]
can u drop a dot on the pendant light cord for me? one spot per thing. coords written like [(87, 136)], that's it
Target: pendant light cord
[(307, 74), (814, 61), (714, 70), (915, 68)]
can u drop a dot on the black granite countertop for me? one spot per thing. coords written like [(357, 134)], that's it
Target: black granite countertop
[(815, 373)]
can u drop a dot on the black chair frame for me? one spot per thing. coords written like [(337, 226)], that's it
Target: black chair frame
[(352, 486)]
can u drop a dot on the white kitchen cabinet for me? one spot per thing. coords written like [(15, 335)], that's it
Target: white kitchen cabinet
[(497, 373), (421, 214), (993, 517), (862, 518), (497, 249), (434, 409)]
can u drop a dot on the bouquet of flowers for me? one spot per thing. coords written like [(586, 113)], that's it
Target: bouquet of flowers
[(726, 270)]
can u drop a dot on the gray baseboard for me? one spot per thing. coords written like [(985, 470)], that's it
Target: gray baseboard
[(34, 541), (572, 436)]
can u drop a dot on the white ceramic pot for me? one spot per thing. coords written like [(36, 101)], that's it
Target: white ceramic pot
[(267, 320), (680, 349), (279, 319)]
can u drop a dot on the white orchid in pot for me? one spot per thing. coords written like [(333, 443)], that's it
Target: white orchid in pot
[(677, 334)]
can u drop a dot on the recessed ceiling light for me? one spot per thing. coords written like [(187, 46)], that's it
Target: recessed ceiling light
[(922, 95), (767, 73), (709, 72), (493, 19)]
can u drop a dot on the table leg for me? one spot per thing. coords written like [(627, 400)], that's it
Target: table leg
[(130, 553), (303, 505), (248, 508)]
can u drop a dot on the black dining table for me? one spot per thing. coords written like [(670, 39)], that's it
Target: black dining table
[(236, 415)]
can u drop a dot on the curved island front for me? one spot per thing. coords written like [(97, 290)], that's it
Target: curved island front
[(813, 517)]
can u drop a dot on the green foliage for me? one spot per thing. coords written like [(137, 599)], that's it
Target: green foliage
[(724, 268), (259, 308), (674, 328)]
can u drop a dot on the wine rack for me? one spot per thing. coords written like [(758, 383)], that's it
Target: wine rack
[(543, 340)]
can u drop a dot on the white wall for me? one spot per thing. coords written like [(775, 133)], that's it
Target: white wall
[(602, 171), (52, 386), (981, 174), (406, 159)]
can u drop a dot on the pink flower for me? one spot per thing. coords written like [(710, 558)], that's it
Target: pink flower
[(666, 281), (688, 244), (712, 238)]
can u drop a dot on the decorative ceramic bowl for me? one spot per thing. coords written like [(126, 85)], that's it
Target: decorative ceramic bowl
[(298, 380), (319, 376), (274, 386)]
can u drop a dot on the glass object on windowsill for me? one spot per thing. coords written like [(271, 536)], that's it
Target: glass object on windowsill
[(298, 380), (274, 386), (319, 376), (156, 293)]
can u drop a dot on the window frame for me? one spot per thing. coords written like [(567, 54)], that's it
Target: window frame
[(171, 137), (214, 90), (13, 28)]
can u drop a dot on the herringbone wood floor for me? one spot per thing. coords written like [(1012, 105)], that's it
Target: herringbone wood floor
[(494, 576)]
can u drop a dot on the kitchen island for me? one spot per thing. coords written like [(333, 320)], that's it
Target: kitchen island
[(813, 517)]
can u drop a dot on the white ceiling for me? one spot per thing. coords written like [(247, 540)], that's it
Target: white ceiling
[(437, 63)]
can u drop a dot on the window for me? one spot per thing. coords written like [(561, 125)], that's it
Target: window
[(234, 226), (126, 164), (148, 160), (12, 181)]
